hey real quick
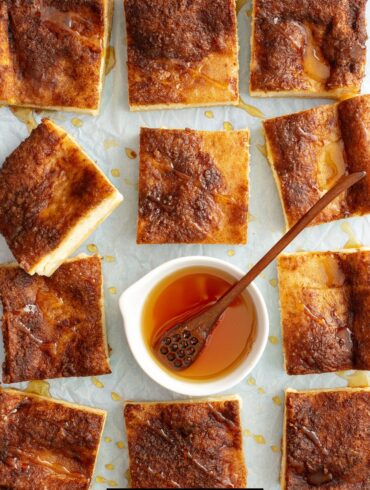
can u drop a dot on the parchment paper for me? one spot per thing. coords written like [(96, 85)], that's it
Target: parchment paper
[(105, 138)]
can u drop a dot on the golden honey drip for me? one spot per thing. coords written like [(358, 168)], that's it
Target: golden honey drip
[(275, 449), (112, 483), (331, 164), (259, 439), (277, 400), (41, 388), (100, 479), (251, 381), (116, 172), (109, 467), (110, 61), (92, 248), (131, 153), (228, 126), (358, 379), (110, 258), (107, 439), (209, 114), (231, 253), (250, 109), (247, 432), (314, 63), (261, 391), (120, 445), (251, 217), (97, 382), (77, 123), (273, 340), (262, 149), (110, 143), (240, 4), (112, 290), (273, 282), (25, 116), (352, 240), (116, 397)]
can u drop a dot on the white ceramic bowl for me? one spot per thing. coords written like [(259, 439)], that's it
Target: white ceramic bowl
[(131, 305)]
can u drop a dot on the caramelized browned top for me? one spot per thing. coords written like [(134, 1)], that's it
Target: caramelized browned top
[(53, 327), (47, 185), (53, 50), (327, 440), (310, 151), (325, 305), (282, 32), (46, 444), (168, 38), (185, 445), (184, 196)]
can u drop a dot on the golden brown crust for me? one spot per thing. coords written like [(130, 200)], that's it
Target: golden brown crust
[(308, 47), (311, 150), (325, 304), (52, 52), (187, 445), (181, 52), (53, 327), (47, 187), (327, 440), (193, 186), (46, 442)]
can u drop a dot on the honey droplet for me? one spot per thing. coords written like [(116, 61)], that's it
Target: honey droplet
[(25, 116), (209, 114), (41, 388), (116, 397), (92, 248), (273, 282), (263, 150), (277, 400), (231, 253), (228, 126), (110, 60), (251, 381), (100, 479), (352, 240), (112, 483), (131, 153), (110, 143), (108, 439), (112, 290), (120, 445), (273, 340), (77, 123), (251, 217), (275, 449), (250, 109), (109, 467), (315, 65), (97, 382), (116, 172), (249, 12), (261, 391), (247, 432), (240, 4), (110, 258), (259, 439), (358, 379)]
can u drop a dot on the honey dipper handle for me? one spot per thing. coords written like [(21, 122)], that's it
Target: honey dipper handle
[(341, 186)]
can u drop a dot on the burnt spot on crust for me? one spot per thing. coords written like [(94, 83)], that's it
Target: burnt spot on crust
[(183, 194), (189, 445), (327, 440), (54, 51), (53, 327), (284, 28), (47, 443)]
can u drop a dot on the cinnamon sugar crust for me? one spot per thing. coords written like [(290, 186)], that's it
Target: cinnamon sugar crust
[(326, 442), (181, 53), (309, 151), (46, 443), (49, 190), (54, 327), (193, 186), (52, 53), (185, 444), (325, 305), (308, 47)]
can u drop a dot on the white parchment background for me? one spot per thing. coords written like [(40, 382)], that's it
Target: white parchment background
[(118, 128)]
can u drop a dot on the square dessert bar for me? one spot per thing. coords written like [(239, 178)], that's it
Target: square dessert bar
[(309, 151), (325, 310), (326, 442), (187, 444), (52, 53), (46, 443), (54, 326), (193, 186), (310, 48), (52, 197), (181, 54)]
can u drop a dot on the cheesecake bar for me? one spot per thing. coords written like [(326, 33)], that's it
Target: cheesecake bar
[(52, 197), (54, 326), (181, 54), (309, 48), (46, 443), (193, 186), (326, 442), (53, 53), (185, 444), (309, 151), (325, 310)]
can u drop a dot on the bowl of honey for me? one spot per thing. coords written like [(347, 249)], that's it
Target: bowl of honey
[(177, 290)]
